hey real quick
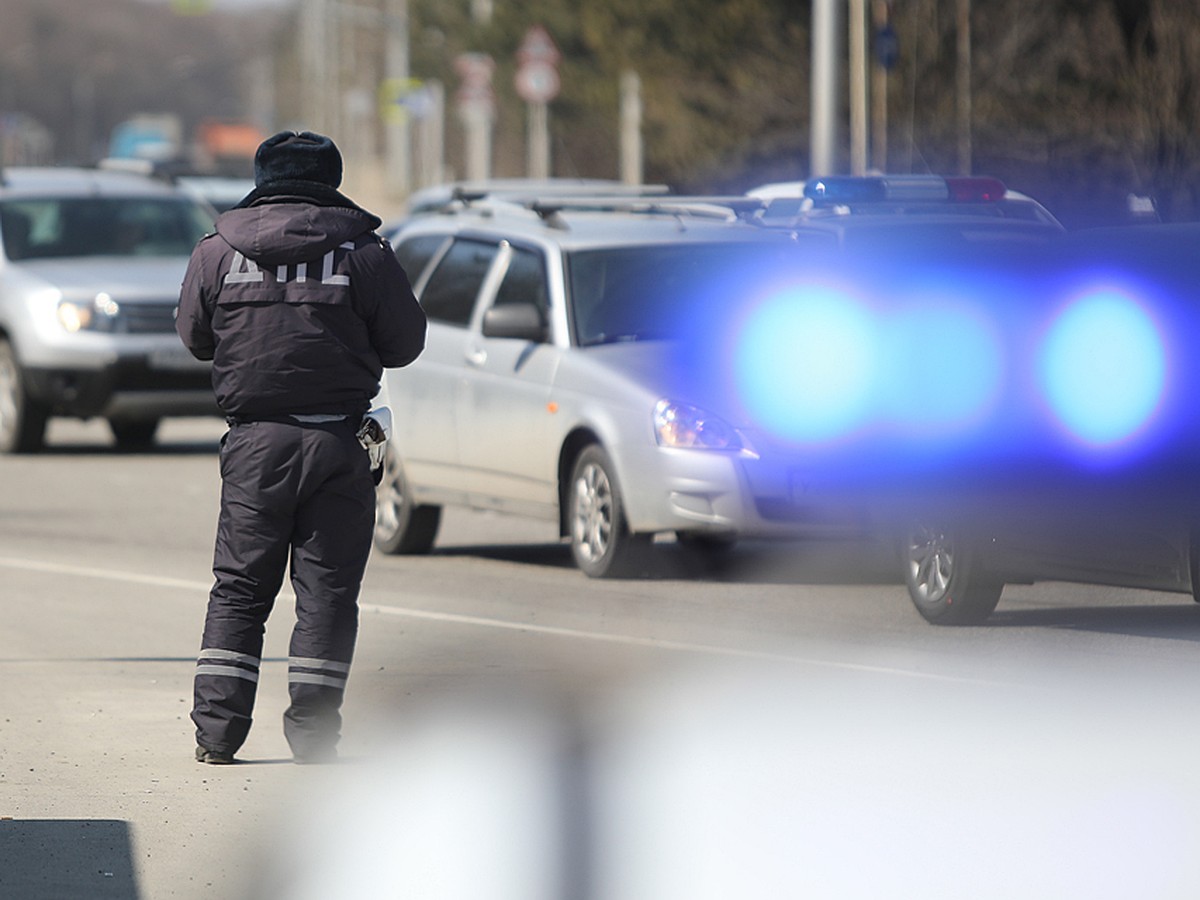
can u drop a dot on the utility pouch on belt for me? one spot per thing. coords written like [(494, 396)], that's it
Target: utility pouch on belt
[(373, 434)]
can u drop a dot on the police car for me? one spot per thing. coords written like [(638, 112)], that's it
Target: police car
[(891, 211), (1042, 429)]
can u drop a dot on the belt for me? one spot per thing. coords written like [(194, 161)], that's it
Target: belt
[(288, 419)]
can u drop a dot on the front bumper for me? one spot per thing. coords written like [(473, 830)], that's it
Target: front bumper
[(140, 386), (733, 494)]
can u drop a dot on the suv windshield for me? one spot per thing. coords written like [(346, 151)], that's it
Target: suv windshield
[(648, 292), (101, 226)]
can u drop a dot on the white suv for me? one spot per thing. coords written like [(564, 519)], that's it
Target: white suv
[(89, 282)]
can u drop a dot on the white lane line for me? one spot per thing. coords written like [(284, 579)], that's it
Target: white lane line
[(659, 643), (501, 624), (106, 574)]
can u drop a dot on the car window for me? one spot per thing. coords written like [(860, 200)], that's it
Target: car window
[(415, 253), (525, 280), (648, 292), (454, 285), (101, 226)]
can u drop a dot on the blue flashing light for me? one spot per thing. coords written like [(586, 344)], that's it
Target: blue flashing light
[(946, 366), (1103, 368), (846, 189), (805, 363)]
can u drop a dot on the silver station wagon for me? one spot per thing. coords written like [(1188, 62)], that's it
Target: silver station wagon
[(565, 378)]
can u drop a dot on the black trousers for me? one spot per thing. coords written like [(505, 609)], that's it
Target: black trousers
[(298, 491)]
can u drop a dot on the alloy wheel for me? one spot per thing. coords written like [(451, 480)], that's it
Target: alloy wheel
[(10, 408), (592, 525), (930, 563)]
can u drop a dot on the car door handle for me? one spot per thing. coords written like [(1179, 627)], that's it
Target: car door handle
[(476, 356)]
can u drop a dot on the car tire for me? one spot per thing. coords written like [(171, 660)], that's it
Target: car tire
[(945, 581), (22, 419), (133, 434), (1194, 562), (601, 543), (402, 528)]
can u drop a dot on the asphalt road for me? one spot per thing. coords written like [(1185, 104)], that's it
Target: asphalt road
[(786, 727)]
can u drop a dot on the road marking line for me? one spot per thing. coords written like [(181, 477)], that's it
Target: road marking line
[(107, 574), (484, 622), (660, 643)]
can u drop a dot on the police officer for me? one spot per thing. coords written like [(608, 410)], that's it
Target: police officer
[(300, 305)]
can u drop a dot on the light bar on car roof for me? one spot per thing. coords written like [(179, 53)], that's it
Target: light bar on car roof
[(965, 189), (842, 189)]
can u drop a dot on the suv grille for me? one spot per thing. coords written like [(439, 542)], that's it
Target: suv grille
[(146, 318)]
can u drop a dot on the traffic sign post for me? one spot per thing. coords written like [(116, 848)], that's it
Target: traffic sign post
[(537, 83), (476, 109)]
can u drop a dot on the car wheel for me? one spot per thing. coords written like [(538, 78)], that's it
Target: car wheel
[(133, 434), (22, 419), (601, 542), (944, 580), (400, 526), (1194, 562)]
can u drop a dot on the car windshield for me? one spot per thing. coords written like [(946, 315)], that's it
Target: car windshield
[(654, 292), (60, 227)]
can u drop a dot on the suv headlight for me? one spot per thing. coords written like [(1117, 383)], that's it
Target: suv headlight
[(100, 314), (681, 425)]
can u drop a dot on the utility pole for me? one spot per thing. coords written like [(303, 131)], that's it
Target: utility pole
[(631, 128), (885, 40), (964, 87), (858, 87), (316, 52), (823, 135), (397, 159)]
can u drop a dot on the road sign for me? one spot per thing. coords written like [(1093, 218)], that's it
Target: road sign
[(537, 78), (538, 47), (401, 98), (475, 96), (537, 82)]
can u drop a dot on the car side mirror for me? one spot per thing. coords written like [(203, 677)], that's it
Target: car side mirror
[(522, 321)]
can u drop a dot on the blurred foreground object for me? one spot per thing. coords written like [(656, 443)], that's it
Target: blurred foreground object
[(764, 783)]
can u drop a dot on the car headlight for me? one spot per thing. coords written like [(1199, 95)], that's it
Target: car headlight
[(100, 314), (681, 425)]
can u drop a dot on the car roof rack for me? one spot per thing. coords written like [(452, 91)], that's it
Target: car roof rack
[(724, 208), (527, 194)]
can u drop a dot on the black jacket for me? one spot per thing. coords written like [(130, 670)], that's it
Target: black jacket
[(299, 304)]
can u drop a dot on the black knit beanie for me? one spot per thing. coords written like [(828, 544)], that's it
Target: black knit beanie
[(289, 156)]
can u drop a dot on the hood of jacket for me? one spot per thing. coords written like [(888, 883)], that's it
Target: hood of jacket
[(284, 229)]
